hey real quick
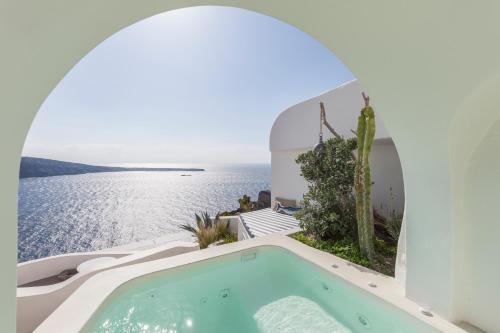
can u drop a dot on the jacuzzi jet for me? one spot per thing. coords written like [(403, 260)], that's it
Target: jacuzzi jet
[(364, 321), (203, 300), (224, 293), (326, 287), (426, 312)]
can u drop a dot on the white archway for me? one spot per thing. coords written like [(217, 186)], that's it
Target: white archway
[(419, 59), (474, 138)]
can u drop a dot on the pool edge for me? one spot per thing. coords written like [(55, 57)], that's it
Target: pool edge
[(82, 304)]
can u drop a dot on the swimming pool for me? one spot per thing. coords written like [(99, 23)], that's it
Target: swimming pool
[(265, 289)]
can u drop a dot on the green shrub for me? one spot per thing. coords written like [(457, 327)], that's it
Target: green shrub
[(393, 225), (245, 203), (230, 238), (329, 205), (348, 249)]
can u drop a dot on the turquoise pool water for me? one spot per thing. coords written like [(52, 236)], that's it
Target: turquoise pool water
[(263, 290)]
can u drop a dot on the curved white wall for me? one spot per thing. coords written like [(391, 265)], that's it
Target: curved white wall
[(296, 131), (419, 60), (388, 192), (476, 171), (286, 181), (479, 256), (297, 127)]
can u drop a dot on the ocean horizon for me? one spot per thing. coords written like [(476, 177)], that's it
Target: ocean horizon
[(88, 212)]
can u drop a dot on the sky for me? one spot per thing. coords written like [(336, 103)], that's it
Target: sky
[(192, 86)]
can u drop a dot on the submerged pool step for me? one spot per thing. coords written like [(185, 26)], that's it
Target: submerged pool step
[(248, 256)]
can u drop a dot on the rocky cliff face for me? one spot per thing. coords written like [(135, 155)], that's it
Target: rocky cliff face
[(264, 199)]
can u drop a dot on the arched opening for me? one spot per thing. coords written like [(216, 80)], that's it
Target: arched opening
[(419, 72), (112, 221), (143, 97)]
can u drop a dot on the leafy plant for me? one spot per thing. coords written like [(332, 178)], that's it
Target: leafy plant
[(345, 248), (207, 231), (348, 249), (245, 203), (393, 225), (222, 228), (363, 182), (230, 238), (329, 208)]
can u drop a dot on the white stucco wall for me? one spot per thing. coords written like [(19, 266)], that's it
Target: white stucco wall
[(388, 188), (479, 284), (298, 126), (477, 190), (286, 181), (420, 60), (296, 131)]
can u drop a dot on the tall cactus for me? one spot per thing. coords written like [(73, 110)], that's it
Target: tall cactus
[(364, 209)]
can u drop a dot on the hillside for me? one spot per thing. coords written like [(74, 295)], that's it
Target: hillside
[(41, 167)]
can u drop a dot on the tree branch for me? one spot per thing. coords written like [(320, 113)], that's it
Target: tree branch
[(334, 132), (325, 122)]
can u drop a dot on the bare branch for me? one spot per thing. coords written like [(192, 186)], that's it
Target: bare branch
[(325, 122), (334, 132)]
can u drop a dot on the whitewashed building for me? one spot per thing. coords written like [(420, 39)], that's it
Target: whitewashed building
[(296, 130)]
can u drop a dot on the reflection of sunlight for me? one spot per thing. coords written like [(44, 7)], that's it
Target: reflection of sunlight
[(296, 314)]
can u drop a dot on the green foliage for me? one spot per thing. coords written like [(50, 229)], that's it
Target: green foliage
[(385, 249), (229, 213), (222, 228), (345, 248), (245, 203), (329, 208), (207, 231), (348, 249), (363, 182), (393, 225), (230, 238)]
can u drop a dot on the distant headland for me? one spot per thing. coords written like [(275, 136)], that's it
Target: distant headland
[(42, 167)]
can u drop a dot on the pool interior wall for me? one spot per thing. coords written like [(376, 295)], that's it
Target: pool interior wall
[(264, 289)]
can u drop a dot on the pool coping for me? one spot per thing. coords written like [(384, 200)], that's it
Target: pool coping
[(77, 309)]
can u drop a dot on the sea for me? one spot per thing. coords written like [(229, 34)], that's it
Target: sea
[(77, 213)]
